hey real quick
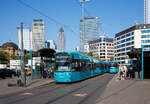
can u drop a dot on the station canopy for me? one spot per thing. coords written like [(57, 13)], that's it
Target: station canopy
[(134, 53), (46, 52)]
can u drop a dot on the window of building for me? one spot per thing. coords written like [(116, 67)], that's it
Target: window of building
[(122, 50), (146, 46), (128, 39), (145, 41), (123, 36), (122, 41), (102, 57), (127, 34), (145, 31), (128, 44), (145, 36), (118, 38), (129, 48), (102, 50), (102, 47), (118, 42)]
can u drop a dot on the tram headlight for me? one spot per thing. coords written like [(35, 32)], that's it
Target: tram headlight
[(67, 73)]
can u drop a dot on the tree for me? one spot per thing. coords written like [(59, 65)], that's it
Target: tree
[(26, 57), (90, 54), (96, 56), (4, 57), (13, 57)]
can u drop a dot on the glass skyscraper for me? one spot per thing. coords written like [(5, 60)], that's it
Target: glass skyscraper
[(50, 44), (88, 30), (61, 40), (38, 35), (146, 11)]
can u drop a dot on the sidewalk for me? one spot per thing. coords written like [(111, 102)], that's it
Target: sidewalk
[(4, 89), (126, 92)]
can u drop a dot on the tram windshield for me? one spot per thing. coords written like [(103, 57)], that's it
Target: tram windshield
[(114, 64), (62, 62)]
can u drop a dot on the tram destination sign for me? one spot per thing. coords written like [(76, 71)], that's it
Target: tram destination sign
[(65, 56)]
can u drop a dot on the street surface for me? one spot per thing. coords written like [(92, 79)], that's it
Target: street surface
[(83, 92)]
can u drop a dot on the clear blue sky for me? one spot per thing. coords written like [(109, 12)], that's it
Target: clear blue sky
[(115, 16)]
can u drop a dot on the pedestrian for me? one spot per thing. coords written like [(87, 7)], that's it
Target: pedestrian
[(52, 73), (121, 72), (29, 72), (131, 71), (41, 69), (125, 70)]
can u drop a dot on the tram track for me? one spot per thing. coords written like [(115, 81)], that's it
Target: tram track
[(62, 92)]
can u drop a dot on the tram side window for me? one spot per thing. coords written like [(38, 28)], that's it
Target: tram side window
[(102, 66), (90, 65), (78, 65), (82, 65), (75, 65)]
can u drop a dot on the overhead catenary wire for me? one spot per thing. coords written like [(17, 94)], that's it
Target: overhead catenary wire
[(48, 17)]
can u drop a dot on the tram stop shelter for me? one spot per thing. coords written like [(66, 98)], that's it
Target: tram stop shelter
[(47, 56), (137, 54), (46, 63)]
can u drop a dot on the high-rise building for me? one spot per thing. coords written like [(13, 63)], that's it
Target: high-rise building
[(89, 30), (61, 40), (27, 39), (38, 34), (50, 44), (131, 38), (147, 11)]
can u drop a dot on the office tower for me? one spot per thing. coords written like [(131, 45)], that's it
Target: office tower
[(27, 39), (88, 30), (38, 34), (50, 44), (61, 40), (131, 38), (146, 11), (102, 48)]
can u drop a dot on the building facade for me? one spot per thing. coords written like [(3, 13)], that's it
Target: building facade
[(50, 44), (61, 40), (38, 35), (11, 48), (102, 48), (131, 38), (27, 39), (89, 30), (146, 11)]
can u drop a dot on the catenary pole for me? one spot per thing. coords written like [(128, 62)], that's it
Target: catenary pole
[(142, 64), (23, 74), (30, 46)]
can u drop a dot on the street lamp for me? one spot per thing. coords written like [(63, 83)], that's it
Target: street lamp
[(82, 6)]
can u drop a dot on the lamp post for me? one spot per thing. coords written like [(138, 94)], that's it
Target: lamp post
[(82, 6), (82, 12)]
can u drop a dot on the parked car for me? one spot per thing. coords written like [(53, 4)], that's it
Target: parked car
[(7, 73)]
